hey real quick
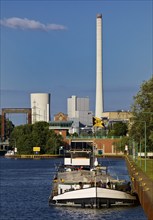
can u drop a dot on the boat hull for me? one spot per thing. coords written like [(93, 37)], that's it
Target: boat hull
[(93, 196)]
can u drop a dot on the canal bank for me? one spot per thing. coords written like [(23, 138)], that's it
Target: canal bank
[(142, 185), (45, 156), (33, 156)]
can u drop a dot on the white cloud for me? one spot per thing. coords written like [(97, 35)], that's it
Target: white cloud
[(24, 23)]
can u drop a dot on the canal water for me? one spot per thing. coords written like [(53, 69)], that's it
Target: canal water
[(25, 186)]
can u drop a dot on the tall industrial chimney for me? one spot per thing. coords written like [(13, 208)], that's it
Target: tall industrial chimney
[(99, 83)]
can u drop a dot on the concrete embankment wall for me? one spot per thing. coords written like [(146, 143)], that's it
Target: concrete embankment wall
[(142, 185)]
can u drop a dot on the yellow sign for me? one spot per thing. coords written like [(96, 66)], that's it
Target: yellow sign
[(97, 122), (36, 149)]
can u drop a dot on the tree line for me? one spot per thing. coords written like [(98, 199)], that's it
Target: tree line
[(25, 137), (140, 126)]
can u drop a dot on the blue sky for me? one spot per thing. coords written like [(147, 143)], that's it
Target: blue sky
[(50, 46)]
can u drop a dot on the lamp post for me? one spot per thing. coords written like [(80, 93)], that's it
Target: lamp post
[(15, 148), (133, 151), (145, 133), (145, 137), (145, 148), (140, 153)]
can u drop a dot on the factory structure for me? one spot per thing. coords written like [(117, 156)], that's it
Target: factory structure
[(78, 116), (40, 106), (78, 110), (99, 108)]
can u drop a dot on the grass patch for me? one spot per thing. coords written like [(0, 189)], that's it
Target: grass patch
[(149, 166)]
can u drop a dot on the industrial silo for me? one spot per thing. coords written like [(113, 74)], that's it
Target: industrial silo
[(40, 105)]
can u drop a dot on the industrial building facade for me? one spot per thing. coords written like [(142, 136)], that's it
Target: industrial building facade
[(78, 110)]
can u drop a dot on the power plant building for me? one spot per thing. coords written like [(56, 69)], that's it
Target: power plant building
[(40, 105), (78, 110)]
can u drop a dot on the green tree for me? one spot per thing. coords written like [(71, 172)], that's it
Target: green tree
[(120, 145), (142, 110), (9, 126), (40, 132), (100, 132), (54, 141), (25, 137), (118, 129), (22, 139)]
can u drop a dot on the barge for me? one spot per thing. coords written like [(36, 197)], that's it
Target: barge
[(82, 181)]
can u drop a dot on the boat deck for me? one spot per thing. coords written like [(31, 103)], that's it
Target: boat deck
[(84, 176)]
